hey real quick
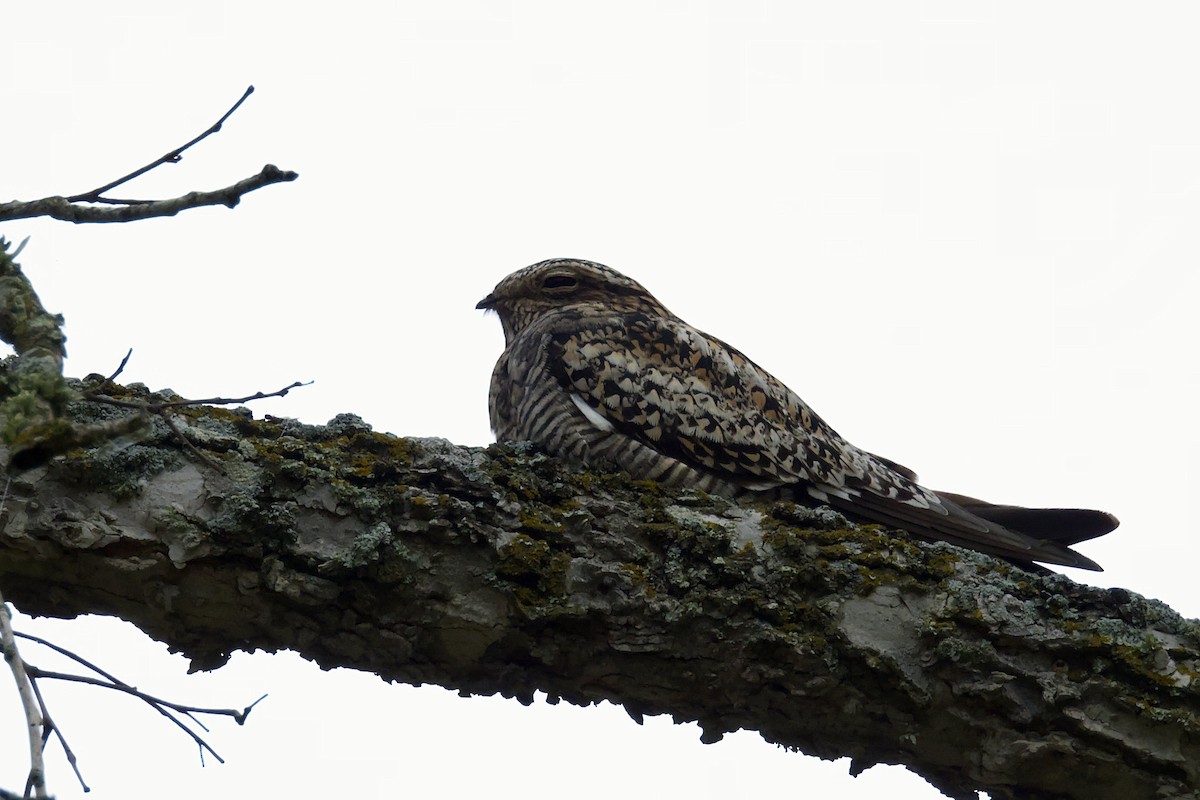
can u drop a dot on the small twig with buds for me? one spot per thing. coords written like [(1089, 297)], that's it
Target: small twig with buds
[(170, 710), (83, 207)]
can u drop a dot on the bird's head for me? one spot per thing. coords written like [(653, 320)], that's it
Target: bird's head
[(561, 284)]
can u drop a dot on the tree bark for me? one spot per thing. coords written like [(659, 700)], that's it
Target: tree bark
[(499, 570)]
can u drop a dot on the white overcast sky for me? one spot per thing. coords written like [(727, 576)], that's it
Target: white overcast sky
[(964, 231)]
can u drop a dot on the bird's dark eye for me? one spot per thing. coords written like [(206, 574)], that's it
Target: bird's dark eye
[(559, 282)]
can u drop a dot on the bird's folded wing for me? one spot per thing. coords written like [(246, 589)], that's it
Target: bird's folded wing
[(696, 399)]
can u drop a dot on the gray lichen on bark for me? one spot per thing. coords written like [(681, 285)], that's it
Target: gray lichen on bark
[(499, 571), (33, 392)]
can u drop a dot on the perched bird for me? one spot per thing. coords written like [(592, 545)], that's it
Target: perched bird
[(596, 369)]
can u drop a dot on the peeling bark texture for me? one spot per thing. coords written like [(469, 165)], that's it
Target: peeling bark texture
[(498, 570)]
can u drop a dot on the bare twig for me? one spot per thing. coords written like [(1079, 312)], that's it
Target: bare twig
[(154, 408), (120, 367), (110, 681), (83, 207), (41, 726), (114, 682), (52, 727), (164, 707), (61, 208), (178, 434), (33, 715), (226, 401), (158, 705), (78, 659), (173, 157)]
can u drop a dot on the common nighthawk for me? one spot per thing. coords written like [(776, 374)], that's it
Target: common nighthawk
[(596, 369)]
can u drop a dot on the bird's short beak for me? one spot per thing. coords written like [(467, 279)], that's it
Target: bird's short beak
[(488, 303)]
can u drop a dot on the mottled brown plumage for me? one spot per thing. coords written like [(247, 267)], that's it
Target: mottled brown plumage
[(596, 369)]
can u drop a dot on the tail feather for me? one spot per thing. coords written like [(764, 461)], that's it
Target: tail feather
[(1065, 526), (1020, 535)]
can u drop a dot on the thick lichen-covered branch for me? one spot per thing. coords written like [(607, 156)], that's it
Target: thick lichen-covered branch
[(499, 571), (33, 392)]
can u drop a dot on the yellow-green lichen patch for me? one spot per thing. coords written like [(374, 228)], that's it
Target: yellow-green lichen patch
[(525, 474), (862, 556), (540, 521), (398, 564), (31, 400), (639, 579), (419, 506), (536, 572), (374, 457), (1175, 717), (1113, 646)]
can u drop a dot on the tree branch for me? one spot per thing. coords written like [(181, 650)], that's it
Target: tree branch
[(34, 719), (64, 209), (33, 393), (82, 207), (49, 727), (498, 571)]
